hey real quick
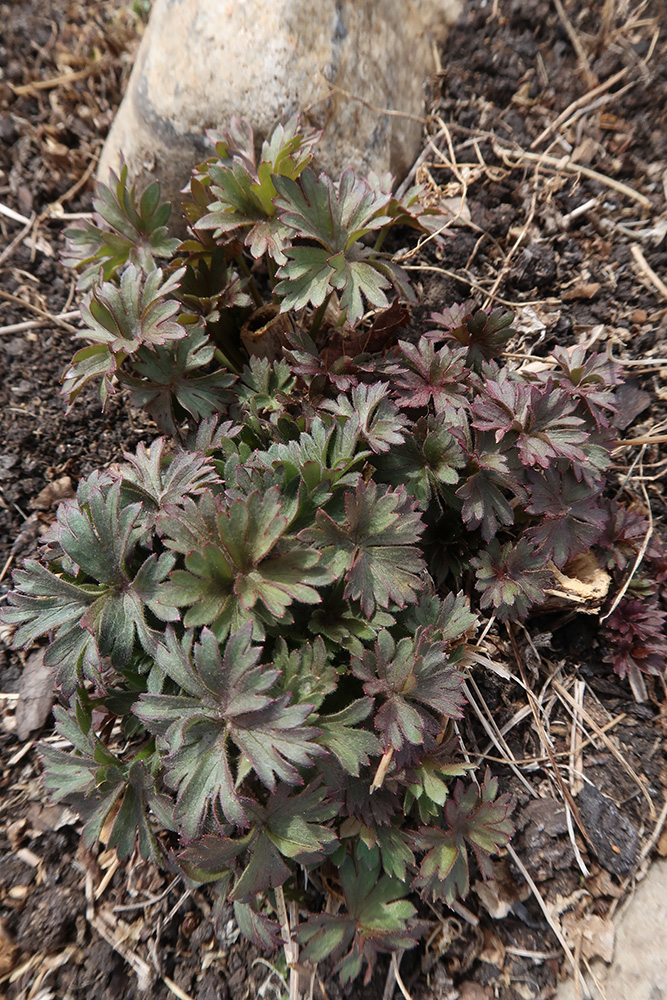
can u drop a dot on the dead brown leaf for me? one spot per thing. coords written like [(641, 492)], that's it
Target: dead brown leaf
[(35, 696), (585, 290), (53, 493)]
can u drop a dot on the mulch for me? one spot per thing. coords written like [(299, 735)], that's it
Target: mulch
[(547, 140)]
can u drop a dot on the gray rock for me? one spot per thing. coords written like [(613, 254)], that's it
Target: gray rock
[(639, 967), (202, 61)]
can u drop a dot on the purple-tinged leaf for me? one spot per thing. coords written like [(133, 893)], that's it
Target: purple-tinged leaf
[(417, 686), (510, 579), (372, 548)]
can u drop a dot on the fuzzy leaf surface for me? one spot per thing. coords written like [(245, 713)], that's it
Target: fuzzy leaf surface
[(224, 700), (475, 818), (417, 686), (373, 547)]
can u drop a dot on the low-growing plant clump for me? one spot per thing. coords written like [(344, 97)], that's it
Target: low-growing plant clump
[(261, 624)]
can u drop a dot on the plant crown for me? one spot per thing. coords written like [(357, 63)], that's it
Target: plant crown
[(268, 603)]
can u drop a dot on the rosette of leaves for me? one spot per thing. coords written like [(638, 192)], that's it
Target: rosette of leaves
[(239, 187), (180, 602), (634, 634), (326, 254), (120, 318), (483, 333), (270, 609), (127, 228)]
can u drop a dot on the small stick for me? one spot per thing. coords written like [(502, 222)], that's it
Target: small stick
[(5, 568), (14, 216), (391, 112), (478, 287), (653, 839), (657, 282), (564, 163), (288, 945), (640, 555), (576, 42), (33, 324), (56, 81), (588, 718), (579, 103), (395, 959), (74, 189), (17, 300), (9, 249), (545, 910), (381, 771), (649, 439)]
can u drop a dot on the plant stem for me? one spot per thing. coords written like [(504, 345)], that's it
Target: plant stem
[(319, 316), (254, 291), (288, 944), (381, 237)]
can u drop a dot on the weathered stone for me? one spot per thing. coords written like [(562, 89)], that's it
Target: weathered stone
[(639, 967), (203, 61)]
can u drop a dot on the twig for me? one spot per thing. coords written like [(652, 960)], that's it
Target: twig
[(564, 163), (494, 734), (9, 213), (640, 555), (399, 982), (576, 756), (150, 901), (9, 249), (17, 300), (288, 944), (52, 209), (56, 81), (576, 42), (547, 913), (657, 282), (175, 988), (599, 732), (579, 103), (645, 441), (391, 112), (657, 830), (478, 287), (5, 568), (33, 324)]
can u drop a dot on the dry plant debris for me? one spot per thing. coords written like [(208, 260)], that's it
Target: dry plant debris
[(552, 159)]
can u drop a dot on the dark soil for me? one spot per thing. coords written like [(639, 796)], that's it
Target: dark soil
[(552, 243)]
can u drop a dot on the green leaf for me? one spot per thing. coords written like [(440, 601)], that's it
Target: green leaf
[(417, 686), (377, 918), (352, 747), (244, 190), (234, 562), (157, 479), (95, 782), (510, 578), (108, 587), (127, 228), (225, 701), (483, 493), (370, 415), (307, 672), (474, 817), (372, 547), (172, 381), (136, 312), (428, 460), (336, 217)]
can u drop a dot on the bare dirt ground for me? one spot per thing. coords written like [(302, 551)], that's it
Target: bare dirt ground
[(547, 132)]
